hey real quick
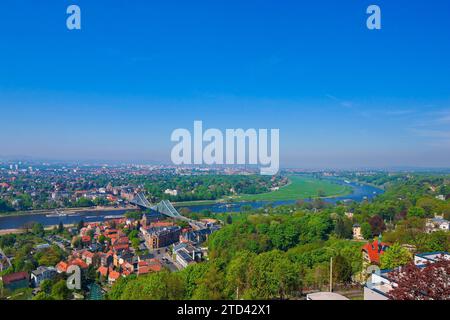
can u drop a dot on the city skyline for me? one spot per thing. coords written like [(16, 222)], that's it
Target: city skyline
[(342, 96)]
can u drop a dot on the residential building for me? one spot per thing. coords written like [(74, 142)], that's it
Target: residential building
[(42, 273), (372, 251), (14, 281), (438, 223), (186, 254), (88, 257), (113, 276), (357, 235), (158, 237), (380, 284)]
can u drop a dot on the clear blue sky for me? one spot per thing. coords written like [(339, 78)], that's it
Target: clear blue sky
[(340, 94)]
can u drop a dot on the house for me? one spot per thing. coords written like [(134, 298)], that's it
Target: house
[(42, 273), (14, 281), (171, 192), (88, 257), (61, 267), (113, 276), (430, 257), (41, 247), (78, 262), (372, 251), (379, 284), (151, 265), (106, 259), (86, 240), (198, 236), (438, 223), (103, 271), (357, 235), (186, 254)]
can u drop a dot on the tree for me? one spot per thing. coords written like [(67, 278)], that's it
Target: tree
[(80, 225), (377, 225), (60, 227), (136, 215), (342, 270), (210, 287), (38, 229), (237, 274), (60, 290), (416, 212), (43, 296), (154, 286), (395, 256), (343, 228), (428, 283), (366, 230), (46, 286), (272, 276)]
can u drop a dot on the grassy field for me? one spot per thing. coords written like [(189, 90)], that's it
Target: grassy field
[(300, 188)]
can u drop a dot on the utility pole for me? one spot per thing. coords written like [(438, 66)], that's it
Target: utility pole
[(331, 274)]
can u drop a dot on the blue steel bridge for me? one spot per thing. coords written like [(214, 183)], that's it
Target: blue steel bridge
[(164, 207)]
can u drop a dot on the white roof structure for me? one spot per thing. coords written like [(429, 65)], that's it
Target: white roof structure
[(325, 296)]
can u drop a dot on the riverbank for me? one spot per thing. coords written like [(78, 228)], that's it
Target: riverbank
[(65, 210), (299, 187)]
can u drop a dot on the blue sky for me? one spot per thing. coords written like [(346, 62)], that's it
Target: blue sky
[(341, 95)]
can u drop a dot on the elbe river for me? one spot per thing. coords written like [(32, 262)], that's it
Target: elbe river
[(360, 192)]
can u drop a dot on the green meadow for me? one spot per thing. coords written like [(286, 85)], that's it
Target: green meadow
[(300, 187)]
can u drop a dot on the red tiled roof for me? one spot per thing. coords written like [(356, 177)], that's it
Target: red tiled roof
[(144, 270), (103, 271), (13, 277), (114, 275), (375, 250), (86, 238), (161, 224), (88, 254), (79, 262), (62, 266), (121, 247)]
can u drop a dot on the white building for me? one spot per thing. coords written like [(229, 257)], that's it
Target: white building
[(325, 296), (438, 223), (171, 192), (186, 254), (379, 285), (41, 274)]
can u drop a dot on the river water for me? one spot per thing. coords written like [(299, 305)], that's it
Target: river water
[(360, 193)]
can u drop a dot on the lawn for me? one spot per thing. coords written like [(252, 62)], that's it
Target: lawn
[(300, 187)]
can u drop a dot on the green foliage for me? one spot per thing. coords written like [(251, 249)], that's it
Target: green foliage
[(38, 229), (417, 212), (154, 286), (343, 228), (136, 215), (271, 276), (395, 256), (60, 291), (366, 230), (49, 257), (43, 296)]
